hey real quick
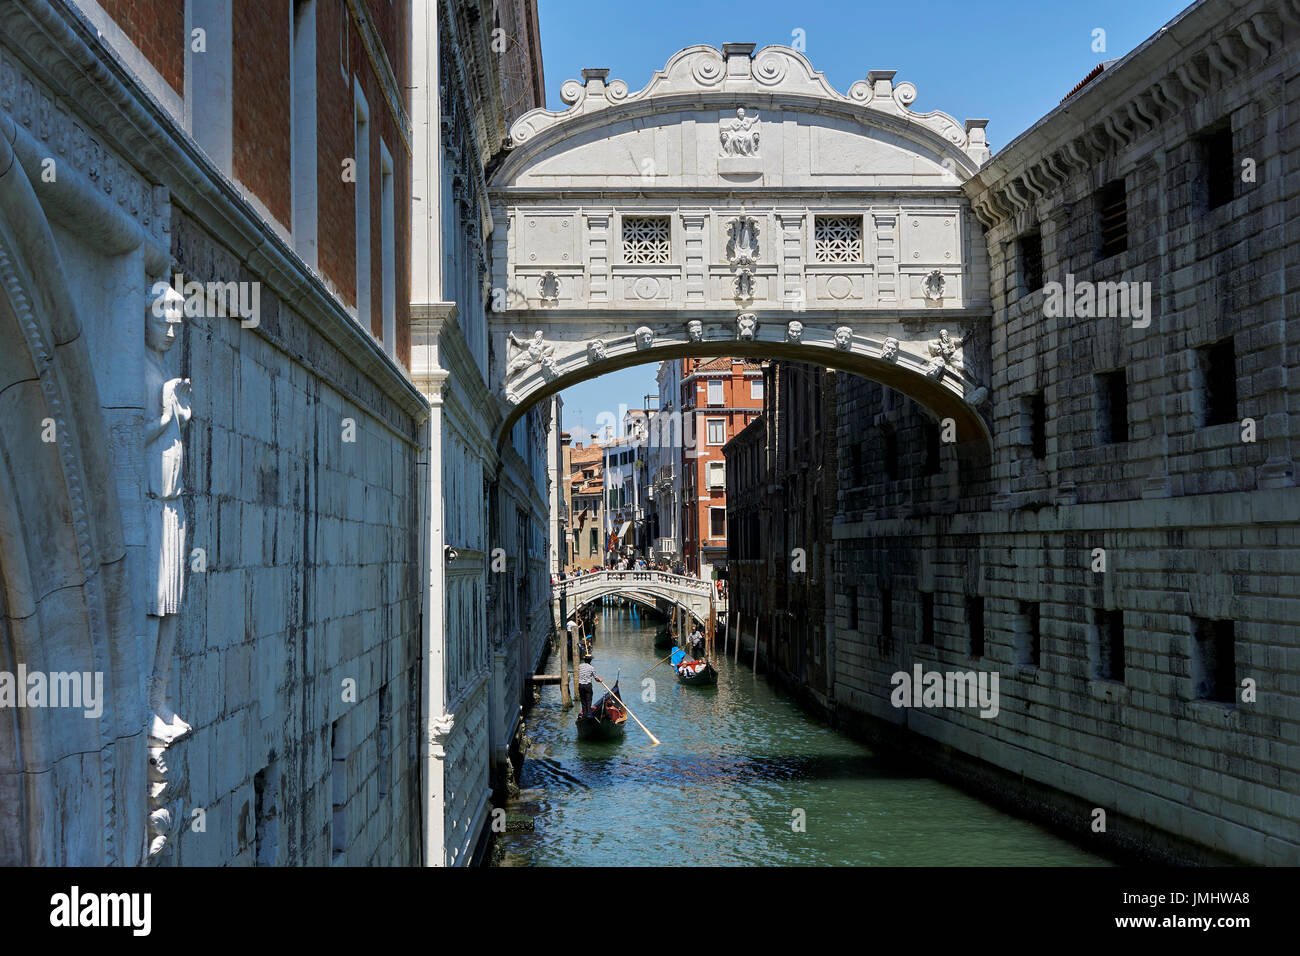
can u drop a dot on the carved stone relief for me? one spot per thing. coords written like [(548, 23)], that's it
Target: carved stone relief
[(746, 326), (740, 135)]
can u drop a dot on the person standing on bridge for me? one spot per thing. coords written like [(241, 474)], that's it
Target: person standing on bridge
[(586, 674)]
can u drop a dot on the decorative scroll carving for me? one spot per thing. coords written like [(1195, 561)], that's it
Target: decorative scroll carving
[(932, 286), (739, 136), (548, 287), (529, 353), (742, 287), (167, 412), (742, 246)]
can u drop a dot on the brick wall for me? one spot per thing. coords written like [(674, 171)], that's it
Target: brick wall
[(261, 104), (157, 28)]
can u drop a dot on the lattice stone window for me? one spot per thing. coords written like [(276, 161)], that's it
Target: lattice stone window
[(645, 239), (837, 239)]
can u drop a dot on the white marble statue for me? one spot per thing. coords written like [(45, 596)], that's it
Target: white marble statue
[(740, 135), (530, 353), (167, 411)]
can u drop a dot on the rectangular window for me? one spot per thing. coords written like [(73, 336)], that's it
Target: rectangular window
[(1028, 640), (1219, 168), (1029, 251), (717, 522), (931, 432), (1112, 407), (975, 624), (266, 811), (837, 239), (756, 388), (853, 608), (388, 251), (646, 240), (361, 199), (594, 547), (927, 618), (384, 741), (715, 391), (717, 474), (1112, 205), (1036, 412), (1218, 367), (339, 789), (1214, 663), (857, 470), (886, 621), (717, 434), (302, 109), (1108, 650)]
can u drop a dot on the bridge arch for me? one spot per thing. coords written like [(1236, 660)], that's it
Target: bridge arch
[(739, 205), (693, 595)]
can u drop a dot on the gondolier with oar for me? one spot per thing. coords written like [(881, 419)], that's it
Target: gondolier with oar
[(586, 674)]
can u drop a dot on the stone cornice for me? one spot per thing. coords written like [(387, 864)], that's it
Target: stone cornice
[(776, 76), (378, 57), (66, 54), (1202, 49)]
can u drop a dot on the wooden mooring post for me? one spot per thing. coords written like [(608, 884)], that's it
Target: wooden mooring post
[(566, 701)]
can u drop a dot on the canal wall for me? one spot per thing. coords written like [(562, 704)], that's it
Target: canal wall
[(1122, 554)]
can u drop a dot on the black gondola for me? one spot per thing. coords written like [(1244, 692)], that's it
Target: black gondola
[(607, 720)]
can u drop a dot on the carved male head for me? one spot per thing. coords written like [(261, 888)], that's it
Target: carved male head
[(695, 330), (889, 351), (746, 326), (843, 338), (794, 331), (164, 315), (645, 337), (596, 350)]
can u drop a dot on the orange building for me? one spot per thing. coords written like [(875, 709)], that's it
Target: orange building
[(719, 398)]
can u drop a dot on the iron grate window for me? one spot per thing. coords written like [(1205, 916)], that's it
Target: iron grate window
[(837, 239), (1108, 659), (1038, 425), (1215, 665), (1113, 204), (646, 240)]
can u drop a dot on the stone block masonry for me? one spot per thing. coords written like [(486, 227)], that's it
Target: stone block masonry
[(1125, 558), (300, 642)]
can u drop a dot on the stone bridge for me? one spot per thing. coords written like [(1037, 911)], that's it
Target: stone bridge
[(692, 594), (739, 205)]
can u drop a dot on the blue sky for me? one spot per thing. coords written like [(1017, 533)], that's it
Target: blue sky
[(1010, 61)]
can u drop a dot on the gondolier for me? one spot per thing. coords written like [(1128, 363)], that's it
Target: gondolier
[(586, 673)]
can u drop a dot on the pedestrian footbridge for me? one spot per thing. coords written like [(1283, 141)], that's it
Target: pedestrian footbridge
[(695, 596)]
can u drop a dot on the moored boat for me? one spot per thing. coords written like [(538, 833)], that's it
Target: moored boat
[(697, 672), (606, 721), (663, 638)]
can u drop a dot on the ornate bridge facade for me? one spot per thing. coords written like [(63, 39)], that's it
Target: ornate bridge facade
[(739, 205), (694, 595)]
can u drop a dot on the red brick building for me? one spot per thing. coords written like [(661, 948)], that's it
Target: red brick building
[(719, 398), (299, 103)]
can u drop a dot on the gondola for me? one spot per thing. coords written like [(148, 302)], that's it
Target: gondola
[(606, 721), (697, 672), (663, 638)]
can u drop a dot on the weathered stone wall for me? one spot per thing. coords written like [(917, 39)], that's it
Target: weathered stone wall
[(299, 650), (1197, 524)]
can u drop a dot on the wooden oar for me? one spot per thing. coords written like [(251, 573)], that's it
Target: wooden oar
[(629, 712), (669, 657)]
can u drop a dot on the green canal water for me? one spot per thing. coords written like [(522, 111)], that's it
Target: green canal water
[(736, 765)]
